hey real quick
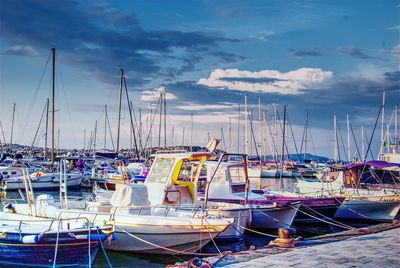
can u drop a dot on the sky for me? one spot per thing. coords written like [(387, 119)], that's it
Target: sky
[(322, 57)]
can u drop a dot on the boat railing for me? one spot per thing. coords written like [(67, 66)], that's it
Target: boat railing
[(51, 221)]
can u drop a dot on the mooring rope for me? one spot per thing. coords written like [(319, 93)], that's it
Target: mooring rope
[(337, 222), (257, 232), (328, 222), (102, 248)]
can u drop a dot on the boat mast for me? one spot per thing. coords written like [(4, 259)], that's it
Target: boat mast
[(47, 127), (159, 126), (259, 123), (348, 138), (283, 147), (230, 134), (119, 107), (335, 144), (12, 125), (265, 137), (246, 138), (94, 139), (105, 126), (382, 125), (165, 119), (396, 135), (238, 129), (362, 144), (191, 132), (53, 109), (306, 136), (172, 135)]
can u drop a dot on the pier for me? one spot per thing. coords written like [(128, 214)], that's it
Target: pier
[(372, 250)]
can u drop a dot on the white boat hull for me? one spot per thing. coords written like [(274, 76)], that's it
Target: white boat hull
[(368, 210), (45, 182), (273, 217)]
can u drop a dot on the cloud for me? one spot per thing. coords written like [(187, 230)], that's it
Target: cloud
[(395, 28), (95, 38), (396, 50), (261, 35), (205, 107), (19, 50), (305, 53), (392, 76), (267, 81), (354, 52), (154, 95)]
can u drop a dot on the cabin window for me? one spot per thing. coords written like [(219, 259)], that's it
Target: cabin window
[(237, 174), (160, 170), (219, 176), (188, 171)]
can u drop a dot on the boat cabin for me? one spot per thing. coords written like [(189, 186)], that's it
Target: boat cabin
[(172, 179)]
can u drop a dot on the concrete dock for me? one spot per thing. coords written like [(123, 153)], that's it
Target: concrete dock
[(374, 250)]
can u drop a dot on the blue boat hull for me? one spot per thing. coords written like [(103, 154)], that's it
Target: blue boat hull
[(70, 251)]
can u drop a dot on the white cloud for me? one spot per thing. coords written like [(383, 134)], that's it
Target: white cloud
[(154, 95), (19, 50), (267, 81), (396, 50), (203, 107)]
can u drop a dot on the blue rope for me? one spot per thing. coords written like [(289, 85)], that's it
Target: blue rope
[(102, 247)]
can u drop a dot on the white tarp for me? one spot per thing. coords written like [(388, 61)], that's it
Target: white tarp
[(129, 195)]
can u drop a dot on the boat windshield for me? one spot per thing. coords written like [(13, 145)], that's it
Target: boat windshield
[(161, 169), (237, 174)]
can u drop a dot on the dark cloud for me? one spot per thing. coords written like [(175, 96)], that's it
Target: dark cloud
[(97, 38), (305, 53), (227, 57), (392, 76), (354, 52)]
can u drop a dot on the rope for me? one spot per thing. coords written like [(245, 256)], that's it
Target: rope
[(164, 248), (102, 248), (260, 233), (328, 222), (337, 222), (90, 255), (56, 248), (212, 239)]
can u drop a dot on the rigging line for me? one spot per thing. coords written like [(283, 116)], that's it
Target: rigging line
[(302, 140), (272, 138), (312, 141), (341, 139), (66, 101), (34, 97), (2, 131), (40, 122), (254, 138), (152, 122), (109, 128), (373, 131), (294, 139), (130, 115), (280, 126), (366, 137), (355, 141)]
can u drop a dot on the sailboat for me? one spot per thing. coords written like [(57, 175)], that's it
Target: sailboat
[(42, 179)]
